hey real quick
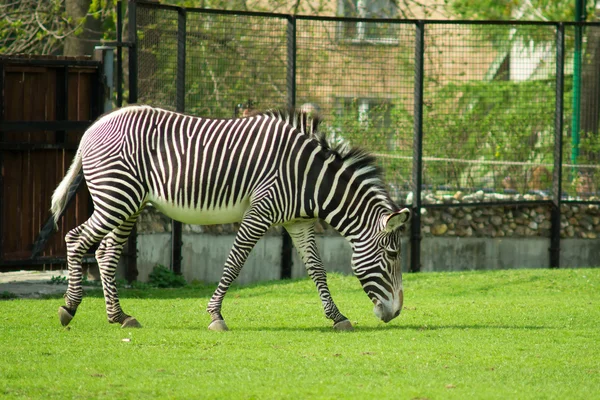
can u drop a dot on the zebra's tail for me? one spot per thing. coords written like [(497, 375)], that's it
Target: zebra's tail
[(61, 194)]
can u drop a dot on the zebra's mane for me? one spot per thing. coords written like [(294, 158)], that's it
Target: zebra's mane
[(305, 122), (360, 160)]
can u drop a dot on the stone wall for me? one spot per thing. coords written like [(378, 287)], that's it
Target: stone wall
[(576, 221)]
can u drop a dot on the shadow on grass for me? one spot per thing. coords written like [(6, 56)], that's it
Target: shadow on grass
[(189, 291), (398, 328), (359, 329), (490, 286)]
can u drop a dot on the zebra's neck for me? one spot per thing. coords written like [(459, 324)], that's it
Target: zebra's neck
[(358, 221), (351, 200)]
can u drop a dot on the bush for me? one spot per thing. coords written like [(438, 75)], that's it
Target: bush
[(163, 277)]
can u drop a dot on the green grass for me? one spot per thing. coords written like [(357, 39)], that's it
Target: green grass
[(494, 335)]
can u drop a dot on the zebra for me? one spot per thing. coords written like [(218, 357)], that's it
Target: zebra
[(262, 170)]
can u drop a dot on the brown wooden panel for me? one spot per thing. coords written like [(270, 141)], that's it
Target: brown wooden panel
[(24, 68), (37, 183), (31, 176), (13, 103), (79, 97), (41, 97), (73, 99), (11, 203), (56, 245)]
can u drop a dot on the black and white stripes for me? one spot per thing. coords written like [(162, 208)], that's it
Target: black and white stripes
[(266, 169)]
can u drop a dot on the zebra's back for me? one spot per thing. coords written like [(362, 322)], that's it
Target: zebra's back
[(195, 170)]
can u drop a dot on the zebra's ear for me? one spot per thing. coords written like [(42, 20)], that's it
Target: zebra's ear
[(397, 219)]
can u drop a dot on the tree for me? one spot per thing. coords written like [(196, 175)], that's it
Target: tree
[(88, 31), (549, 10), (31, 26), (71, 27), (540, 10)]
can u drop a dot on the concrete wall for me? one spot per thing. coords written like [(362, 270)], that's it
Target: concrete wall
[(456, 254), (204, 255)]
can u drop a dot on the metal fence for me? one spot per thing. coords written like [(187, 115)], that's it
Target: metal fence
[(459, 113)]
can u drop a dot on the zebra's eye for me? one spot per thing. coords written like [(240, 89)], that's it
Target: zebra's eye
[(391, 253)]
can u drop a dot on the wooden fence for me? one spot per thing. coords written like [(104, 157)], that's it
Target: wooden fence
[(46, 103)]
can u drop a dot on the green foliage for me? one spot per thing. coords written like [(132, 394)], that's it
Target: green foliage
[(532, 10), (58, 280), (497, 121), (549, 10), (162, 277), (6, 295), (384, 128), (63, 280), (526, 334)]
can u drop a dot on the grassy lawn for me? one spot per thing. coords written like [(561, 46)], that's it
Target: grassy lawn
[(495, 335)]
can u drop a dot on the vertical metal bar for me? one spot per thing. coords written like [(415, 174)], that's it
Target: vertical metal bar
[(181, 56), (558, 130), (133, 52), (96, 93), (291, 61), (119, 83), (107, 56), (131, 271), (576, 118), (415, 226), (2, 102), (286, 241), (176, 226)]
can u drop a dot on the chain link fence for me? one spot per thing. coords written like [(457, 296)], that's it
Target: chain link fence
[(489, 92), (496, 113), (360, 75)]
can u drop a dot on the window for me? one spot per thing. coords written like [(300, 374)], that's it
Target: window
[(368, 32)]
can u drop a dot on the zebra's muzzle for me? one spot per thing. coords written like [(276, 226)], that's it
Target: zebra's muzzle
[(387, 311)]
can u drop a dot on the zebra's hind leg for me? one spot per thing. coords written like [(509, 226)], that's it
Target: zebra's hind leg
[(78, 241), (74, 293), (108, 255), (252, 228), (303, 236)]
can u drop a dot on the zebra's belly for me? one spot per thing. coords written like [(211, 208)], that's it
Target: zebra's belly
[(199, 216)]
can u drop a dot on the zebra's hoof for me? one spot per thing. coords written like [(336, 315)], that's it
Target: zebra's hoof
[(131, 322), (218, 325), (344, 325), (64, 316)]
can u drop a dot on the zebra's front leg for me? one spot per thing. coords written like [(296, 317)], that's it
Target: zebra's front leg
[(252, 228), (107, 255), (303, 236)]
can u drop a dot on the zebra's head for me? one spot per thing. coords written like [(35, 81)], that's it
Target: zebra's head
[(376, 263)]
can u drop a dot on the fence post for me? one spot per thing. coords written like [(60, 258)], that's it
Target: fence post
[(131, 271), (176, 226), (415, 225), (558, 129), (2, 72), (106, 54), (286, 240), (576, 117), (119, 71), (133, 55)]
